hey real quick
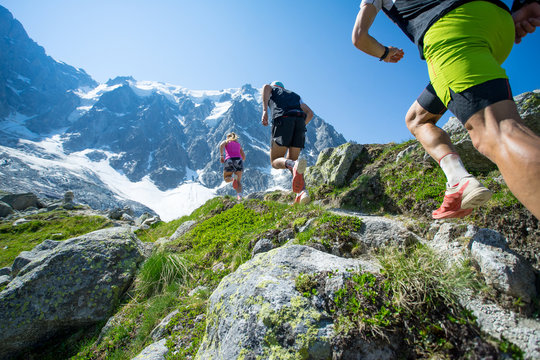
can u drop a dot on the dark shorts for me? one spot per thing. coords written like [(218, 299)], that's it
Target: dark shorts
[(469, 101), (233, 165), (464, 51), (289, 131)]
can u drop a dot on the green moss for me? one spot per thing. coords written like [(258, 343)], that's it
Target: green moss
[(285, 324), (58, 224)]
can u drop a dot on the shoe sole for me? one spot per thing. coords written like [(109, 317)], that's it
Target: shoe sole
[(305, 200), (453, 214), (298, 181), (476, 198)]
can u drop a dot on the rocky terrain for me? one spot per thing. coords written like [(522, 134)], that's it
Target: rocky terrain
[(362, 272)]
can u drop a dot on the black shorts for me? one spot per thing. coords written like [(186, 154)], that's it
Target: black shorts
[(429, 100), (467, 102), (233, 165), (289, 131)]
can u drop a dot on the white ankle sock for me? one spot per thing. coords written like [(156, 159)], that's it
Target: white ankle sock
[(289, 164), (453, 168)]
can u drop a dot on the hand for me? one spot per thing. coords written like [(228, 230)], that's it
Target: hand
[(222, 159), (264, 118), (394, 55), (526, 20)]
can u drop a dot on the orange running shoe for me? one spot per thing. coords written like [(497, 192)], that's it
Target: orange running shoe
[(459, 200)]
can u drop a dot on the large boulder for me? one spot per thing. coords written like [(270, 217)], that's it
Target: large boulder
[(5, 209), (501, 267), (256, 312), (60, 286), (333, 165), (21, 201)]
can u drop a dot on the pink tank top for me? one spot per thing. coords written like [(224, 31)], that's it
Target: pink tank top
[(232, 150)]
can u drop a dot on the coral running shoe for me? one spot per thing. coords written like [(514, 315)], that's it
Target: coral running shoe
[(302, 198), (459, 200), (298, 175)]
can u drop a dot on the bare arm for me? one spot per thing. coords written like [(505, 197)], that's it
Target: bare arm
[(367, 43), (267, 90), (242, 154), (221, 148), (308, 111)]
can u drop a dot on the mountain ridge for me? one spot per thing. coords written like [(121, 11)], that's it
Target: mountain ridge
[(145, 132)]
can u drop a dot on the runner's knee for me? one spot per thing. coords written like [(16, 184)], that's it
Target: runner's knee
[(418, 116)]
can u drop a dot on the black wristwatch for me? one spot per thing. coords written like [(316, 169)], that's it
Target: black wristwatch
[(386, 50)]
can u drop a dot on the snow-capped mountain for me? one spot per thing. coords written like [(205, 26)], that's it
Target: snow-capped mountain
[(126, 141)]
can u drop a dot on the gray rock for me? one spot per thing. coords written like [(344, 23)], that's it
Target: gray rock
[(4, 279), (285, 235), (261, 246), (259, 300), (501, 323), (159, 332), (182, 229), (68, 197), (155, 351), (127, 217), (20, 221), (198, 289), (5, 209), (218, 267), (139, 221), (333, 165), (501, 267), (21, 201), (151, 221), (66, 285), (405, 152), (377, 231), (116, 214)]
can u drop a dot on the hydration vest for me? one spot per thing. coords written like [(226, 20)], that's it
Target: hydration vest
[(284, 103)]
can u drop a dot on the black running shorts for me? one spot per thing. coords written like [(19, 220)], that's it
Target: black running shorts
[(469, 101), (289, 131), (233, 165), (429, 100)]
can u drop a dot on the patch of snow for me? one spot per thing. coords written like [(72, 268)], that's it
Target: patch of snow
[(217, 112), (169, 205)]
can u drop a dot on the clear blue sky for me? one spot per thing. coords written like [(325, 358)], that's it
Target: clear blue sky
[(210, 44)]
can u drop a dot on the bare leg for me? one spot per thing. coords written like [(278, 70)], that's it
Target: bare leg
[(498, 132), (227, 176), (280, 154), (421, 124), (463, 192), (239, 179), (277, 156)]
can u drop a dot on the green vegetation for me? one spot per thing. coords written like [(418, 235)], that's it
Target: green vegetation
[(160, 271), (224, 233), (416, 294), (329, 229), (54, 225)]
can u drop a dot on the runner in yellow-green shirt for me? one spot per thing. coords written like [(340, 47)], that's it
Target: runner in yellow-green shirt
[(464, 44)]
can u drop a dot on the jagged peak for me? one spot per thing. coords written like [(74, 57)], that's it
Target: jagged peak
[(121, 80)]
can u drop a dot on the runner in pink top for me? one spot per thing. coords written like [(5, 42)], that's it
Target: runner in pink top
[(233, 160), (233, 150)]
